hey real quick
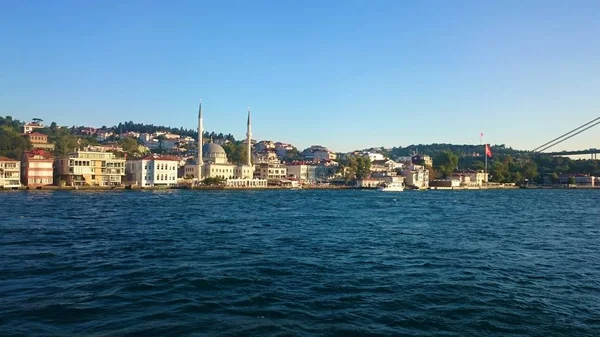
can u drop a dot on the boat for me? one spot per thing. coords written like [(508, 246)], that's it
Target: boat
[(391, 187)]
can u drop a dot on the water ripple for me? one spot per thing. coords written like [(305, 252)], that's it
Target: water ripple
[(300, 263)]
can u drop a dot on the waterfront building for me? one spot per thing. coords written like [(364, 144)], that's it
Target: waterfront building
[(416, 176), (444, 183), (302, 171), (246, 183), (212, 161), (471, 177), (368, 183), (10, 172), (152, 171), (271, 171), (583, 180), (37, 168), (90, 168)]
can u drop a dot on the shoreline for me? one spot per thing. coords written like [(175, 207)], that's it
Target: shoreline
[(220, 188)]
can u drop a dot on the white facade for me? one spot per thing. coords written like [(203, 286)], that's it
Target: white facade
[(324, 155), (416, 176), (471, 178), (373, 156), (302, 172), (166, 144), (10, 173), (246, 183), (385, 166), (152, 171), (103, 136), (31, 127)]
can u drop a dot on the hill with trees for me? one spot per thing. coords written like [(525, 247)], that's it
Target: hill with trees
[(505, 165)]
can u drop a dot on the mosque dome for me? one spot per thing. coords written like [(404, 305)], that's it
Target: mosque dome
[(214, 153), (212, 148)]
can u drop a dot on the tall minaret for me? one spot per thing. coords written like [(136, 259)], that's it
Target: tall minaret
[(249, 140), (200, 133)]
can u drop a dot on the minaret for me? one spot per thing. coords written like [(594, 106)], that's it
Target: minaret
[(249, 140), (200, 133)]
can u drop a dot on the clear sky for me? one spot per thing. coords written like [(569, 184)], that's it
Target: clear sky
[(344, 74)]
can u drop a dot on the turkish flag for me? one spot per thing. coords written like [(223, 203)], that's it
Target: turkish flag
[(488, 150)]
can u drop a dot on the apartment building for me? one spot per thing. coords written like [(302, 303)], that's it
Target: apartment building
[(9, 173), (37, 168), (90, 168)]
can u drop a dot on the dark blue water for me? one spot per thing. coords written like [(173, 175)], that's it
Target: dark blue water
[(300, 263)]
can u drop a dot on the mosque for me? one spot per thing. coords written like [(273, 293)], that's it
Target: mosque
[(212, 161)]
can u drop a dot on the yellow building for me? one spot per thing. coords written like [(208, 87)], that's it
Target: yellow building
[(90, 168)]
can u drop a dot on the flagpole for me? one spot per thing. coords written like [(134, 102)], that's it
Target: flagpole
[(484, 149)]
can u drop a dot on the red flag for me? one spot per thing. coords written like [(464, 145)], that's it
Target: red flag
[(488, 150)]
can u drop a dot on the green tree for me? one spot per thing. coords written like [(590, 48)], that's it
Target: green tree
[(64, 142), (478, 165), (445, 163), (571, 180), (499, 171), (363, 167), (518, 177), (130, 145), (213, 181), (12, 144)]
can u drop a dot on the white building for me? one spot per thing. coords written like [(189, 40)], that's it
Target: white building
[(31, 127), (374, 156), (103, 136), (165, 144), (282, 149), (318, 153), (385, 165), (324, 155), (471, 177), (152, 170), (416, 176), (302, 172), (265, 157), (10, 173)]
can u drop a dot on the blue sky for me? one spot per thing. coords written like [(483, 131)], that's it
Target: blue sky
[(344, 74)]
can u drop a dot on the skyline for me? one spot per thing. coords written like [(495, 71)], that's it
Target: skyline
[(346, 75)]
